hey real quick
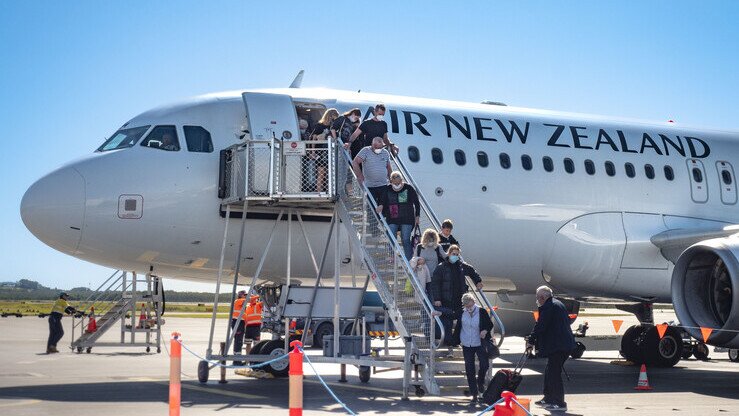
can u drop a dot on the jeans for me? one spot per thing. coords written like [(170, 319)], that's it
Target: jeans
[(554, 391), (406, 230), (56, 331), (238, 336), (469, 354)]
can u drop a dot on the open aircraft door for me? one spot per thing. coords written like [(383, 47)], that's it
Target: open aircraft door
[(270, 116)]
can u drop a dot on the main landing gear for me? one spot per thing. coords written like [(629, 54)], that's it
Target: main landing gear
[(641, 344)]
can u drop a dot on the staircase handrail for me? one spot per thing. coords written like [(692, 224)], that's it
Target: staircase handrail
[(428, 306)]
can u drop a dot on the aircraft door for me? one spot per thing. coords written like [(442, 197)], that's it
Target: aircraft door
[(270, 116), (728, 182), (698, 184)]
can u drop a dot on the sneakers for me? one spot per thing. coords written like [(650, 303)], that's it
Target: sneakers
[(541, 403), (556, 408)]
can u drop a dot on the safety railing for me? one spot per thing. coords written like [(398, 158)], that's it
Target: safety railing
[(428, 219), (103, 299)]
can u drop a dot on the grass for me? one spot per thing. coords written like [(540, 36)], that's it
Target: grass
[(189, 310)]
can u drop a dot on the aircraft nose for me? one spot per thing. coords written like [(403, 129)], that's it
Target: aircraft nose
[(53, 209)]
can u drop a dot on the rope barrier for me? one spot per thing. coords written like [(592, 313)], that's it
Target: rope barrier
[(348, 410), (219, 364)]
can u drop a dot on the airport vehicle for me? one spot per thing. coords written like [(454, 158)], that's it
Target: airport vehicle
[(595, 207)]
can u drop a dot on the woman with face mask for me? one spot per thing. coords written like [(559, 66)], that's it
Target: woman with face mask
[(430, 249), (401, 209), (343, 127)]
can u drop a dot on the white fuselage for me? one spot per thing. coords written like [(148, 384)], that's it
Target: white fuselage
[(585, 234)]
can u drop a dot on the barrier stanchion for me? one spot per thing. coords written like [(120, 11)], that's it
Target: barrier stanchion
[(295, 400), (175, 366)]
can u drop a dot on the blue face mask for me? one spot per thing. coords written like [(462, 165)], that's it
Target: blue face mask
[(453, 259)]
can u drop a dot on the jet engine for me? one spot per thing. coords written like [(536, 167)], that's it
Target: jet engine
[(704, 290)]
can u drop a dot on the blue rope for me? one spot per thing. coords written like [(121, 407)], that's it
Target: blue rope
[(348, 410), (219, 364), (487, 409)]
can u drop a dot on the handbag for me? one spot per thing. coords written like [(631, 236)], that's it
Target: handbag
[(416, 237), (491, 349)]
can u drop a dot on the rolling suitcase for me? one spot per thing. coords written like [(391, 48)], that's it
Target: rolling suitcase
[(504, 380)]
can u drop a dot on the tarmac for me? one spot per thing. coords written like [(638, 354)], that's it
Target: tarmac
[(129, 381)]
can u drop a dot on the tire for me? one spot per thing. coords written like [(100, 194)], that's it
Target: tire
[(734, 355), (326, 328), (578, 350), (203, 371), (700, 351), (364, 373), (275, 349), (257, 349), (631, 344), (665, 351), (687, 351)]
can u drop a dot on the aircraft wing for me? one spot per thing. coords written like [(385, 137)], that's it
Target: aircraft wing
[(673, 242)]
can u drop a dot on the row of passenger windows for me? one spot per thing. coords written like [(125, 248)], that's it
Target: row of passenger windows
[(548, 164), (161, 137)]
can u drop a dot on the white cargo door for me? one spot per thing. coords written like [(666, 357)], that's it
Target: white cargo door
[(698, 184), (728, 182), (269, 116)]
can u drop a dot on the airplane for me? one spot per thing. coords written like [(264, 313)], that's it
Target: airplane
[(595, 207)]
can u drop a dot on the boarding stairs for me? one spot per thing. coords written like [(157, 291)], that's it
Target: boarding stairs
[(119, 297)]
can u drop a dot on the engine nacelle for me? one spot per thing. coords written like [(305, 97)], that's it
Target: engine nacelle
[(704, 290)]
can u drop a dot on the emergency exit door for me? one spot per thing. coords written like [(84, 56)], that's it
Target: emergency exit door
[(727, 182), (270, 116), (698, 182)]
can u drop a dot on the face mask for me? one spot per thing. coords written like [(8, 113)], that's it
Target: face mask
[(377, 151), (397, 187), (453, 259), (430, 244), (380, 118), (353, 119)]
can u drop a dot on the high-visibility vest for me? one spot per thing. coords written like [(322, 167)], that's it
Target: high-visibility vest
[(254, 314), (60, 306), (237, 308)]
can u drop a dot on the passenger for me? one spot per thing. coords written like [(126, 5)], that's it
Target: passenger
[(553, 339), (253, 316), (168, 142), (343, 127), (430, 249), (375, 167), (320, 132), (56, 330), (423, 275), (401, 209), (473, 331), (303, 125), (368, 130), (446, 238), (237, 323), (448, 284)]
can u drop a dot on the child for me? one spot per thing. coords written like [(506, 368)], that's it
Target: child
[(422, 274), (446, 239)]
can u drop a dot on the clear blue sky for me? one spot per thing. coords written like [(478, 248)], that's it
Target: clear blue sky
[(72, 72)]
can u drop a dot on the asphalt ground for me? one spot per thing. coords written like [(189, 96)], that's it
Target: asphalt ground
[(128, 381)]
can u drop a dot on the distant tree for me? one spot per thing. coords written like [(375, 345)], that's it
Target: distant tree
[(28, 284)]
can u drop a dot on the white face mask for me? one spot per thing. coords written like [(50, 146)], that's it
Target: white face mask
[(353, 119), (430, 244), (377, 151), (397, 187), (380, 118)]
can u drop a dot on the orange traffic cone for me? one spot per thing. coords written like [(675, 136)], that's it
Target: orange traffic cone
[(643, 383), (142, 317), (92, 324)]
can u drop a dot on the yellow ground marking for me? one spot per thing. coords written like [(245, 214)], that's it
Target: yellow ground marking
[(20, 403)]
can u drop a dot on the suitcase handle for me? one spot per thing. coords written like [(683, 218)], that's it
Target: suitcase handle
[(521, 361)]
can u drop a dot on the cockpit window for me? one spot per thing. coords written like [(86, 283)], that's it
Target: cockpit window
[(198, 139), (123, 138), (163, 138)]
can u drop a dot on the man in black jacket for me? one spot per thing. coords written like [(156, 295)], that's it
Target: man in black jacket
[(553, 339)]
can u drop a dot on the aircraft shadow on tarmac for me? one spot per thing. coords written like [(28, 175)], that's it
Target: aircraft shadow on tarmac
[(588, 377)]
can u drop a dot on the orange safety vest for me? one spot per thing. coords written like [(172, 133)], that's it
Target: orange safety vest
[(237, 309), (253, 314)]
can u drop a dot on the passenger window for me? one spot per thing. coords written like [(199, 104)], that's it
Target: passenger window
[(460, 157), (437, 156), (413, 154), (726, 177), (649, 171), (589, 167), (697, 175), (505, 161), (198, 139), (610, 168), (669, 174), (162, 137), (548, 163), (526, 162), (569, 165), (630, 171), (482, 159)]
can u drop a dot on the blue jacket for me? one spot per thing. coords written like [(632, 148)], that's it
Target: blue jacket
[(552, 331)]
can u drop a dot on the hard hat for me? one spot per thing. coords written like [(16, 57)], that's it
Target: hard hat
[(63, 294)]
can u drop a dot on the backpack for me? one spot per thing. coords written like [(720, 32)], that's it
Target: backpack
[(439, 257)]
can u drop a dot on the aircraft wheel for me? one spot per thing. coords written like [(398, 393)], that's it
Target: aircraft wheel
[(700, 351), (665, 351), (364, 373), (257, 349), (275, 349), (631, 344), (734, 355), (203, 371), (326, 328)]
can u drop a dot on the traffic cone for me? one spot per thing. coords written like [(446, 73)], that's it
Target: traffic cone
[(92, 324), (643, 383), (142, 317)]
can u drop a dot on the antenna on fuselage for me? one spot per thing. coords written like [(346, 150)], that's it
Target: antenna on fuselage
[(298, 80)]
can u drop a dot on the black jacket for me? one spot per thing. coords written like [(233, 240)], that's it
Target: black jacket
[(448, 287), (486, 324), (552, 331)]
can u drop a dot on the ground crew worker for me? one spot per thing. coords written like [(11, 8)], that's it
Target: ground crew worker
[(253, 317), (237, 323), (56, 331)]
